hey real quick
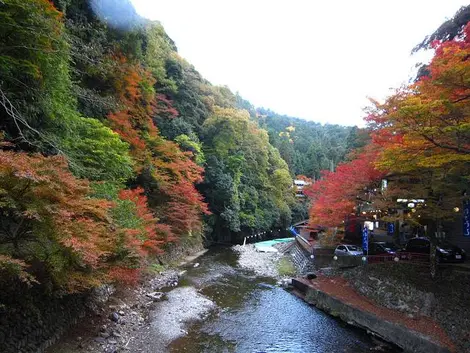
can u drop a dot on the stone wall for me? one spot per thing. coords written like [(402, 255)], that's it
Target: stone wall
[(407, 339), (410, 289), (32, 320), (391, 293)]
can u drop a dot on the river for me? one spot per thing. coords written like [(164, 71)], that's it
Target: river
[(255, 315)]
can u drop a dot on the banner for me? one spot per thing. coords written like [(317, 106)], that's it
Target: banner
[(365, 239), (293, 231), (466, 218), (390, 228)]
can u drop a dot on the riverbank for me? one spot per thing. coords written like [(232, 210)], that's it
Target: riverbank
[(122, 321), (410, 291), (253, 314), (220, 304)]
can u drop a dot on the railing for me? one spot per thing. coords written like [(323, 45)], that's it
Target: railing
[(331, 260), (413, 257)]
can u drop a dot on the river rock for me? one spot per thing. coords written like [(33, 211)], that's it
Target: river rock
[(114, 317), (156, 296)]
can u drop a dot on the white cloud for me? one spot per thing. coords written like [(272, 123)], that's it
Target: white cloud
[(317, 60)]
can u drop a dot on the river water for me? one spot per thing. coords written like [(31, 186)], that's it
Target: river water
[(255, 315)]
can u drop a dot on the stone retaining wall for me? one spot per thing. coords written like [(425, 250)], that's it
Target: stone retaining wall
[(401, 336), (411, 290), (31, 320)]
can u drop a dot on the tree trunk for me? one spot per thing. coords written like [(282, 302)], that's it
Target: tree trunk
[(433, 258)]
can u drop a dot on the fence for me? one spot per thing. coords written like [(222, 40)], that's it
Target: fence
[(331, 260)]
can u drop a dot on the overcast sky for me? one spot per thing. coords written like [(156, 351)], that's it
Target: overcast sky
[(317, 60)]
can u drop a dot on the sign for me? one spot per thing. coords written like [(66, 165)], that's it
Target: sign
[(365, 239), (466, 218), (391, 228)]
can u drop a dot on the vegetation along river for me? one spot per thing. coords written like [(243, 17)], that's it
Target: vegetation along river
[(253, 314)]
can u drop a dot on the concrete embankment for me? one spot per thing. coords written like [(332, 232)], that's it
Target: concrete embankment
[(389, 330)]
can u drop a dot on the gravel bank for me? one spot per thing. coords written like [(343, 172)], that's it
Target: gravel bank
[(262, 263), (130, 320), (112, 326), (169, 319)]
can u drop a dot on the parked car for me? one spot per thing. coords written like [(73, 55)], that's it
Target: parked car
[(382, 248), (348, 250), (445, 251)]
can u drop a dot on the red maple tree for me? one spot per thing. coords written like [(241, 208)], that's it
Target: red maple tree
[(335, 195)]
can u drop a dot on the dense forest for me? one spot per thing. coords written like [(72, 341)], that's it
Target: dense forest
[(306, 146), (112, 147)]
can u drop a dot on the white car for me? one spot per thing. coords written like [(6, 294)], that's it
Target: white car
[(348, 250)]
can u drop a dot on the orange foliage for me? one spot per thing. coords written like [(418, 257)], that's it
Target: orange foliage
[(334, 196), (171, 168), (42, 201), (134, 123), (427, 124), (146, 239), (125, 275)]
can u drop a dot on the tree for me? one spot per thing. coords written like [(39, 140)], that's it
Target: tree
[(251, 188), (306, 146), (167, 173), (47, 219), (336, 194), (447, 31), (425, 128)]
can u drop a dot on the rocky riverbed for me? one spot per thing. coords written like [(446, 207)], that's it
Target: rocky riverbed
[(111, 326), (155, 313), (225, 301)]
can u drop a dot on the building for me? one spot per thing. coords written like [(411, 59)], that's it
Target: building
[(299, 185)]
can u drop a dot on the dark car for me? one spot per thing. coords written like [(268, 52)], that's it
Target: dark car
[(382, 248), (445, 251)]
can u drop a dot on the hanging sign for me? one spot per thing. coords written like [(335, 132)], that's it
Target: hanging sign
[(391, 228), (365, 239), (466, 218)]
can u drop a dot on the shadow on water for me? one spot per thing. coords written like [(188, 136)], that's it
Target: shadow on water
[(254, 315)]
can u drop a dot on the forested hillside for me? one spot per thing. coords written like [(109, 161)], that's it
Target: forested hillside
[(113, 146), (309, 147), (116, 154)]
